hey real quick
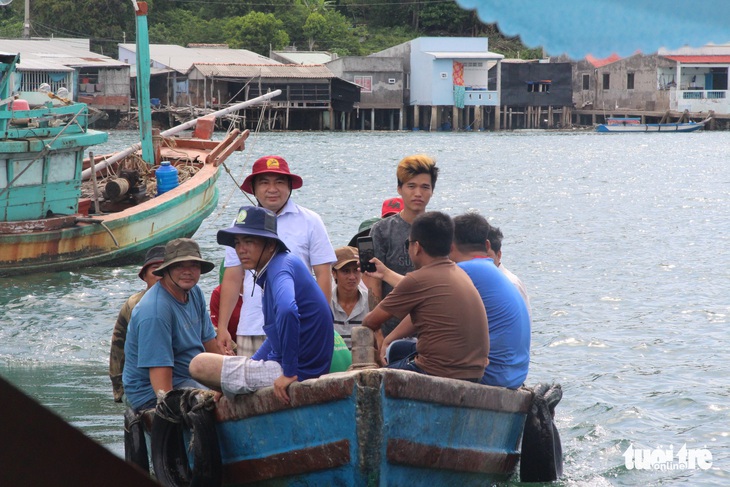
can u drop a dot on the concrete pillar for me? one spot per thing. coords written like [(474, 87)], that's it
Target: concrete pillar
[(434, 119), (416, 118), (400, 119), (455, 121)]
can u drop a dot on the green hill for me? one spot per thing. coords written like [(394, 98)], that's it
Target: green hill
[(346, 27)]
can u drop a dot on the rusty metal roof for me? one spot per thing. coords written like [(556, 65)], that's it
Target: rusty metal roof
[(57, 51), (181, 59)]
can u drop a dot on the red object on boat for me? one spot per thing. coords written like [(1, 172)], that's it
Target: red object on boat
[(20, 105)]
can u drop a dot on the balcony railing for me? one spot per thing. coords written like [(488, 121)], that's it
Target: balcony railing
[(703, 95)]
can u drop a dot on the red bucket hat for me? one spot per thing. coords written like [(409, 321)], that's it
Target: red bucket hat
[(270, 165)]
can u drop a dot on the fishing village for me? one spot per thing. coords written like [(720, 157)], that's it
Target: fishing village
[(285, 331)]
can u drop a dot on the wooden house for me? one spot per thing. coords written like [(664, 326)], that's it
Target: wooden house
[(536, 94), (312, 97)]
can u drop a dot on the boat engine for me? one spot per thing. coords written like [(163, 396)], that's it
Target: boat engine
[(127, 186)]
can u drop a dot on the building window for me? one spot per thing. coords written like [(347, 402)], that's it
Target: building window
[(586, 82), (542, 86), (365, 83), (606, 81), (630, 81)]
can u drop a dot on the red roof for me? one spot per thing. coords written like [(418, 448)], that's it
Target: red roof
[(700, 59), (602, 62)]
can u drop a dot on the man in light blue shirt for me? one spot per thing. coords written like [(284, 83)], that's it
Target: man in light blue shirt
[(509, 320), (169, 326)]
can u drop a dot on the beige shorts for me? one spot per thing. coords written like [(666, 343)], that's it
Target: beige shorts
[(242, 375), (248, 344)]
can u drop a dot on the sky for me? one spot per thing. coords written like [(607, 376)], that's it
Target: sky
[(603, 27)]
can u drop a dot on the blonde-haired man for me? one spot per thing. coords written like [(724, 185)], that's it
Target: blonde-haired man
[(416, 177)]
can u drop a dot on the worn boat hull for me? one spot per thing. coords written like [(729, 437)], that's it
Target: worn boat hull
[(373, 427), (651, 127), (80, 240), (113, 238)]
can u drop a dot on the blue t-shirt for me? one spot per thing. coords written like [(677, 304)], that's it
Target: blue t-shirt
[(163, 333), (509, 324), (297, 319)]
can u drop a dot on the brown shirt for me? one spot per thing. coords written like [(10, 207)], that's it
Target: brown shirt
[(447, 311)]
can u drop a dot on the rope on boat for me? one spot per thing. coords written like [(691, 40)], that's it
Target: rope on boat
[(99, 222), (186, 168)]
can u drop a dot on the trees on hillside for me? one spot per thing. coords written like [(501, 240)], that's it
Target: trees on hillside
[(256, 31), (347, 27)]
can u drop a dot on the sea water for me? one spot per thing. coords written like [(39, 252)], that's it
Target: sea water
[(621, 239)]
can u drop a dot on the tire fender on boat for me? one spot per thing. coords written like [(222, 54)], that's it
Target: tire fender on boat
[(541, 458), (177, 410), (135, 447)]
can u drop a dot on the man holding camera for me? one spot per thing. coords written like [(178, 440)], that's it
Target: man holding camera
[(439, 303)]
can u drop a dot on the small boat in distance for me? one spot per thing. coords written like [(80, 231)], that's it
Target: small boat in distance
[(60, 211), (633, 124)]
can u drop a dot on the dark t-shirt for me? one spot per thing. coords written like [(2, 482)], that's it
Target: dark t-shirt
[(389, 237), (447, 311)]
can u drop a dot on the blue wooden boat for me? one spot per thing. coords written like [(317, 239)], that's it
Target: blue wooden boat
[(364, 427), (374, 427), (633, 124), (59, 211)]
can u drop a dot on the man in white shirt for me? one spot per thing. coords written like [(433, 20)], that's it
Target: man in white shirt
[(302, 231)]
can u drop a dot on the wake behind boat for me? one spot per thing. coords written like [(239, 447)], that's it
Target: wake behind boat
[(50, 221), (633, 124)]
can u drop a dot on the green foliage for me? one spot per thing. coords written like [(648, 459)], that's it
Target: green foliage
[(347, 27), (183, 27), (385, 37), (327, 30), (256, 32)]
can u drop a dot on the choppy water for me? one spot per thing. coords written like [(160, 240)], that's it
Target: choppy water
[(622, 240)]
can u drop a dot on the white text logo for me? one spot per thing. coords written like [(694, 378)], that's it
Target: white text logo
[(666, 459)]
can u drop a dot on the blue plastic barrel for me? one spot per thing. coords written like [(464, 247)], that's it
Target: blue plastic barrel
[(166, 177)]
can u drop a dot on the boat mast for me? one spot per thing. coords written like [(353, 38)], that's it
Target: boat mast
[(143, 82)]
